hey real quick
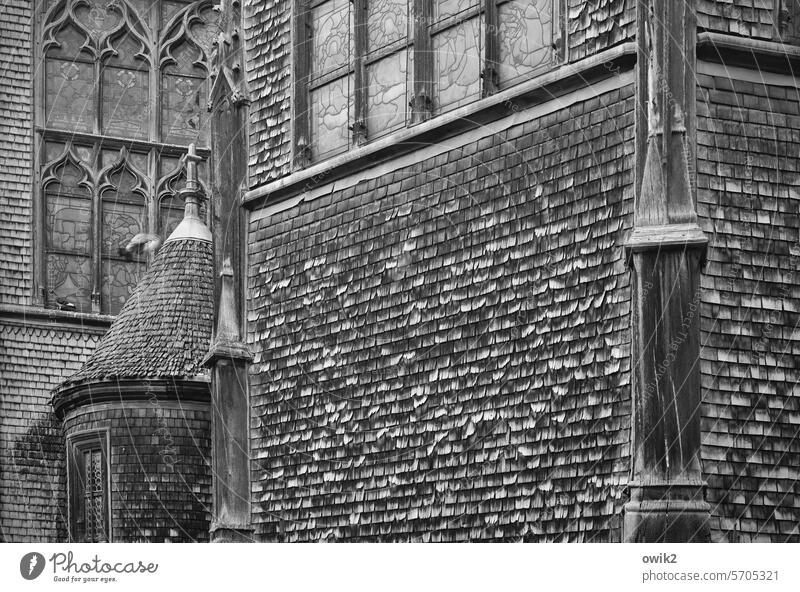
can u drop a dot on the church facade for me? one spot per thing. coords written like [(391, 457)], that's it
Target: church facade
[(459, 270)]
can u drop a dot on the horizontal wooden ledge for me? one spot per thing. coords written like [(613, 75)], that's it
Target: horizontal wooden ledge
[(112, 141), (773, 56), (119, 391), (667, 236), (543, 88), (51, 318)]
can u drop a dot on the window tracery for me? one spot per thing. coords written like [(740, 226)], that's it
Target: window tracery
[(130, 75)]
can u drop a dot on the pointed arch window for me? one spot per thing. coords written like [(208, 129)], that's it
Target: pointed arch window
[(118, 75), (68, 228), (123, 216)]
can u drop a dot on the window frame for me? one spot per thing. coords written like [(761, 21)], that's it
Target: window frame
[(421, 81), (76, 445), (157, 151)]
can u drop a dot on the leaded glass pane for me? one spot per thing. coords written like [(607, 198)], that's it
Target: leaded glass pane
[(119, 281), (170, 215), (182, 112), (387, 22), (206, 32), (124, 182), (69, 181), (129, 53), (386, 94), (331, 115), (169, 9), (332, 45), (525, 30), (457, 52), (69, 101), (68, 223), (186, 56), (69, 280), (53, 150), (99, 16), (138, 160), (446, 8), (121, 222), (126, 103), (70, 41)]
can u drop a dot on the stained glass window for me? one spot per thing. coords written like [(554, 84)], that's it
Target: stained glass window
[(331, 24), (123, 217), (525, 32), (387, 72), (331, 106), (70, 84), (115, 71), (183, 112), (387, 22), (68, 230), (365, 68), (458, 63), (387, 99)]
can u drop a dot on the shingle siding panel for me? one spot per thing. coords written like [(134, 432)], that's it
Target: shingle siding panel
[(442, 353), (16, 128), (749, 187), (160, 468), (746, 18), (32, 478)]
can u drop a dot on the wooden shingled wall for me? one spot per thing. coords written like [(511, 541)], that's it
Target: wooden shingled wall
[(748, 18), (749, 187), (34, 360), (442, 353), (15, 151)]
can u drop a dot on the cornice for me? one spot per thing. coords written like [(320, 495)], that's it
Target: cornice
[(64, 400), (760, 54), (50, 318)]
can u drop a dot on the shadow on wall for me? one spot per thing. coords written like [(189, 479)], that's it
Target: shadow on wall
[(34, 491)]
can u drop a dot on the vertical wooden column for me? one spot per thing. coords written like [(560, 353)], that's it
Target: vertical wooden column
[(666, 249), (229, 357)]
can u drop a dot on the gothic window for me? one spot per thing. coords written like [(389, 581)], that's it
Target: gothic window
[(89, 499), (364, 68), (124, 91)]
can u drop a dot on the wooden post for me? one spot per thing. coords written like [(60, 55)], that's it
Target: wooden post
[(229, 357), (666, 249)]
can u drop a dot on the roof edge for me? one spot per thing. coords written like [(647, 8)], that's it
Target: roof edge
[(70, 397), (190, 229)]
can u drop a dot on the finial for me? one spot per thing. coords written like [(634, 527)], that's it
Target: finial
[(192, 193), (227, 342), (192, 225), (191, 169)]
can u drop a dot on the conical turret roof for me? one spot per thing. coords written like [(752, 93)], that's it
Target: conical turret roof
[(164, 329)]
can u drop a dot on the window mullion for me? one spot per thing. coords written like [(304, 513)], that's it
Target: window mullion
[(302, 74), (491, 38), (422, 101), (97, 263), (98, 96), (359, 126)]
